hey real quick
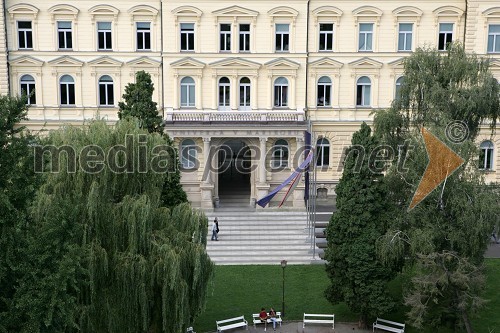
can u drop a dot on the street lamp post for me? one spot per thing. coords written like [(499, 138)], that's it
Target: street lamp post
[(283, 265)]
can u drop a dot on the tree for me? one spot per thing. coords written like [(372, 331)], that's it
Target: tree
[(361, 218), (138, 103), (443, 238), (105, 254), (18, 183)]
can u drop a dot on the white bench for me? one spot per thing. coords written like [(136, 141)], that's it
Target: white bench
[(387, 325), (230, 323), (256, 319), (319, 319)]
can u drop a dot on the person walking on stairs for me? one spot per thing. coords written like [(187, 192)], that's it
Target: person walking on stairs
[(215, 229)]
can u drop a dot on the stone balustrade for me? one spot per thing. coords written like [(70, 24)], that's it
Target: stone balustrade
[(235, 116)]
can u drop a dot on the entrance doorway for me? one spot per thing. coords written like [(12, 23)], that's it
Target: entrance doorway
[(234, 170)]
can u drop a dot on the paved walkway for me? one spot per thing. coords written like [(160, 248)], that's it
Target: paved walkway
[(296, 327), (493, 251)]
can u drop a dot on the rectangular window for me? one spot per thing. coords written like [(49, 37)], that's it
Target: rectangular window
[(365, 37), (28, 88), (64, 34), (405, 36), (445, 35), (494, 38), (244, 37), (67, 94), (143, 36), (225, 37), (25, 34), (282, 37), (104, 36), (325, 37), (187, 36)]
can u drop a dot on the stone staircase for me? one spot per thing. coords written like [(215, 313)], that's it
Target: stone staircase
[(260, 237)]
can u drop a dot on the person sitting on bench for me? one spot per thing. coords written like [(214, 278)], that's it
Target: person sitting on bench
[(272, 317), (263, 317)]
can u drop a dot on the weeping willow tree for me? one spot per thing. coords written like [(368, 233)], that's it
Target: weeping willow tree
[(107, 255), (441, 242)]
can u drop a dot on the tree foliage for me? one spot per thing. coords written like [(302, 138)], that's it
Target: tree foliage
[(357, 277), (18, 183), (105, 254), (443, 239), (138, 104)]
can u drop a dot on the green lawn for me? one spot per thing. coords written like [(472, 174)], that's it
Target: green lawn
[(243, 290)]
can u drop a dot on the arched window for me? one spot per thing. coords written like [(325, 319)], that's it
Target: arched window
[(399, 83), (324, 91), (28, 88), (280, 154), (486, 155), (224, 94), (187, 92), (323, 152), (188, 154), (363, 91), (245, 93), (281, 92), (67, 90), (106, 94)]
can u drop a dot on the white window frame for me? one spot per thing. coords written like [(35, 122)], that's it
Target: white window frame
[(190, 89), (325, 85), (496, 39), (246, 35), (189, 34), (188, 147), (280, 86), (397, 86), (67, 84), (30, 87), (246, 86), (105, 33), (226, 94), (143, 32), (106, 85), (366, 35), (282, 34), (25, 32), (364, 103), (224, 36), (405, 35), (65, 32), (322, 158), (325, 35), (445, 33), (487, 150)]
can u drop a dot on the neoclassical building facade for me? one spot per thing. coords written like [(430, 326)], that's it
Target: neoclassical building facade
[(237, 83)]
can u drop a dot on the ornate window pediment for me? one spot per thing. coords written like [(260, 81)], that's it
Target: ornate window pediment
[(282, 63), (149, 65), (447, 12), (365, 65), (188, 12), (283, 12), (187, 63), (103, 11), (105, 61), (329, 13), (495, 68), (235, 66), (63, 11), (23, 9), (143, 11), (397, 67), (326, 63), (407, 13), (235, 11), (66, 61), (27, 61), (491, 15), (367, 13)]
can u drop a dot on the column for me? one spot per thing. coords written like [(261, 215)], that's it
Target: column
[(206, 186), (298, 193), (262, 186)]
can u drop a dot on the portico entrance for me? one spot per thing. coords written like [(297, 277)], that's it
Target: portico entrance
[(234, 174)]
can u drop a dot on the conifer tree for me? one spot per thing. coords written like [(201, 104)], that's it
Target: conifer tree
[(138, 103), (357, 277)]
